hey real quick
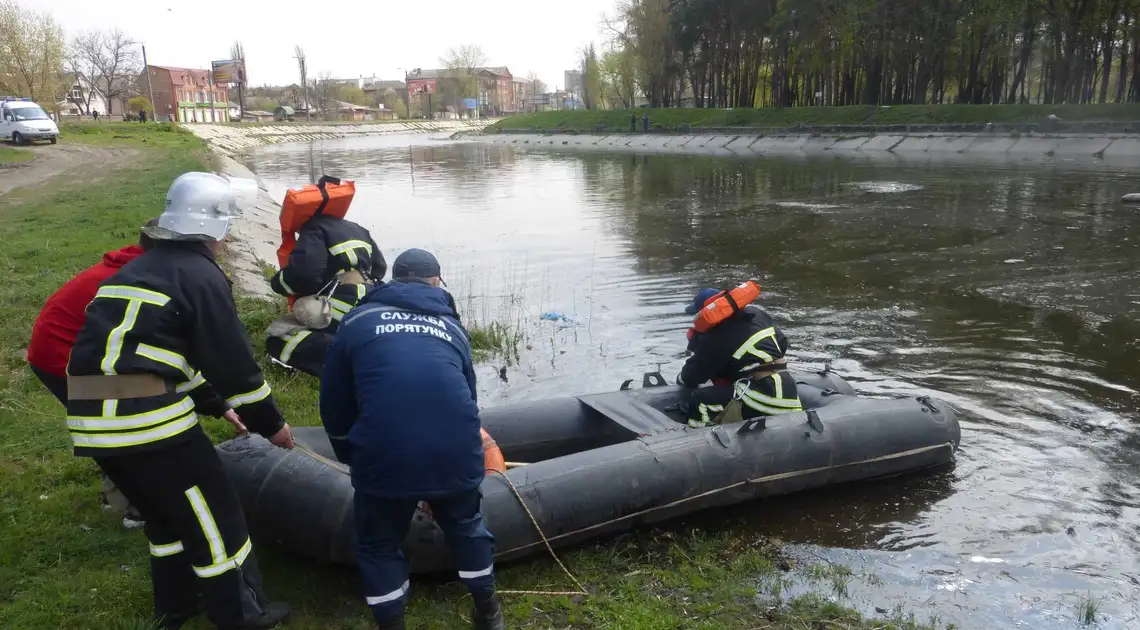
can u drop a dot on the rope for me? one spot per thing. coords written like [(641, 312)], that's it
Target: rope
[(581, 590)]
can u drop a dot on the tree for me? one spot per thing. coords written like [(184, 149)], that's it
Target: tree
[(302, 66), (84, 68), (461, 64), (616, 78), (591, 79), (324, 90), (139, 103), (352, 94), (536, 86), (31, 53)]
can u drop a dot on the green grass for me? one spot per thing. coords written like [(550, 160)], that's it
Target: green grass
[(65, 563), (8, 155), (617, 120)]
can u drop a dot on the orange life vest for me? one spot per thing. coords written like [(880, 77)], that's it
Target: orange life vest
[(723, 305), (329, 197)]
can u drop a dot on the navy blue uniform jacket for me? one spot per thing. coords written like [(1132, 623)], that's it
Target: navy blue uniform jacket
[(398, 395)]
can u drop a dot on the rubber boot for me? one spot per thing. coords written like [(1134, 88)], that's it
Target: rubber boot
[(488, 614)]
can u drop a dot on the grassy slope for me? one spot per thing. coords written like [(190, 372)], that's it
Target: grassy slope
[(783, 117), (8, 155), (64, 563)]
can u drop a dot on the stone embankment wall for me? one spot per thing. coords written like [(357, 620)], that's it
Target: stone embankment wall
[(235, 138), (1015, 145)]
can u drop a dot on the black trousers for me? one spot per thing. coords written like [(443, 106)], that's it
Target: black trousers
[(199, 543), (57, 385), (304, 350)]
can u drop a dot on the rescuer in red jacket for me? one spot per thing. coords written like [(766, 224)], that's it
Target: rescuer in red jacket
[(54, 333)]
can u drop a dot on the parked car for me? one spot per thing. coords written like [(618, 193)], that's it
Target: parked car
[(22, 121)]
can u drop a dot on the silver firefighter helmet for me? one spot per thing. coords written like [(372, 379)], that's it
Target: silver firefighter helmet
[(200, 206)]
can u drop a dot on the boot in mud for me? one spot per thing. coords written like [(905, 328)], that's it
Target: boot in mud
[(392, 623), (488, 614)]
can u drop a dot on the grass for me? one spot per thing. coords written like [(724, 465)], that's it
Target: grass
[(673, 119), (8, 155), (65, 563)]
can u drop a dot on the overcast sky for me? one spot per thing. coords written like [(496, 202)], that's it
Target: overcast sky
[(348, 39)]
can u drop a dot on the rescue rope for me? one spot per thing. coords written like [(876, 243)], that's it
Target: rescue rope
[(581, 590), (538, 528)]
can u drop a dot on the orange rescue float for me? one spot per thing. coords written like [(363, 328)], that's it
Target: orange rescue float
[(724, 305), (328, 197)]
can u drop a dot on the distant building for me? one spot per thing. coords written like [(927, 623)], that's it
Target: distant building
[(185, 95), (85, 96), (495, 91)]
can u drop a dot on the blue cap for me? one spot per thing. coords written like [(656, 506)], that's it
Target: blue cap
[(415, 263), (699, 302)]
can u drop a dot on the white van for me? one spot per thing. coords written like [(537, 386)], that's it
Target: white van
[(22, 121)]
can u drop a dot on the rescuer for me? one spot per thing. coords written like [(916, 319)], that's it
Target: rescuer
[(331, 257), (398, 402), (153, 332), (737, 346), (53, 335)]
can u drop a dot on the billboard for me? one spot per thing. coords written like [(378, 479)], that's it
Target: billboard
[(228, 71), (421, 86), (470, 103)]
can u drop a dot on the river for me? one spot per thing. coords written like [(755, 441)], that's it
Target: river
[(1009, 290)]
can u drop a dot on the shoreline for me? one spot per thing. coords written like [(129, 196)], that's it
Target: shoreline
[(1115, 146), (230, 139)]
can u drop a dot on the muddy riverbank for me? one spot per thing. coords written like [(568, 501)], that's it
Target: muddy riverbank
[(1019, 146)]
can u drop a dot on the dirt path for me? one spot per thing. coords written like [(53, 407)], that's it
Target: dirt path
[(57, 159)]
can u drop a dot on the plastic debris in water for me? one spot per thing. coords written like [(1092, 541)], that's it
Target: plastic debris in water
[(555, 316)]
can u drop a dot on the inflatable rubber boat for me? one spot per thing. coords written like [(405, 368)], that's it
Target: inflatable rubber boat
[(600, 464)]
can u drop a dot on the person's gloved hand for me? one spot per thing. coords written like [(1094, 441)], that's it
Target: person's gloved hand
[(679, 381)]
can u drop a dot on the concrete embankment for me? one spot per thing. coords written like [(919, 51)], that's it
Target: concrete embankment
[(1125, 146), (234, 138)]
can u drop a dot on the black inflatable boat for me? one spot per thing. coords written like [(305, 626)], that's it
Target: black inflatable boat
[(605, 463)]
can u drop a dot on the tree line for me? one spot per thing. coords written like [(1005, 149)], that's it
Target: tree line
[(754, 53)]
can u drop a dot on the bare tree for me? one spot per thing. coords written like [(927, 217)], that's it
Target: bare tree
[(461, 64), (115, 58), (31, 52), (536, 87), (299, 55), (324, 89), (80, 62)]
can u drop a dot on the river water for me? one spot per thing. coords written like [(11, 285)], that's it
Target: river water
[(1009, 290)]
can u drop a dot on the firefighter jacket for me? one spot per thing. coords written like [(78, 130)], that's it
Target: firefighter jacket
[(740, 345), (170, 313), (327, 246)]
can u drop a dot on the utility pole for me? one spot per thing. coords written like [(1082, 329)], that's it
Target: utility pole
[(149, 87), (210, 93)]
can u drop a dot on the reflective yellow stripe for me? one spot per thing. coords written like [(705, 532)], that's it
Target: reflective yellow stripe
[(173, 359), (340, 308), (294, 340), (206, 522), (191, 384), (281, 279), (705, 409), (261, 393), (110, 408), (120, 440), (163, 551), (115, 338), (348, 248), (133, 293), (749, 347), (232, 562), (135, 421)]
